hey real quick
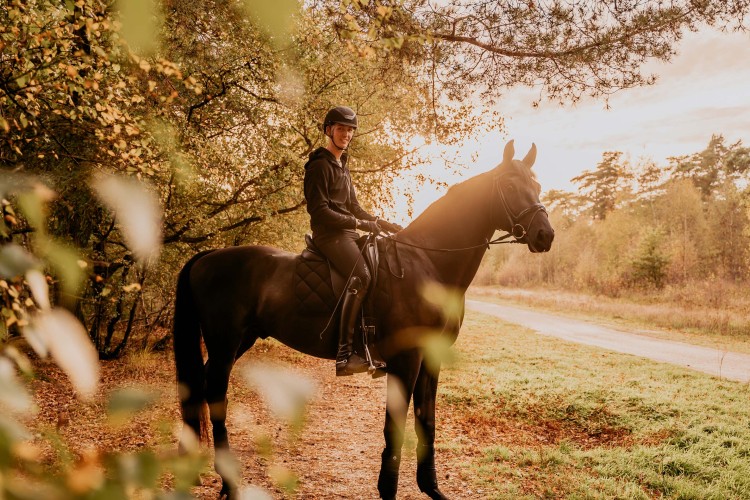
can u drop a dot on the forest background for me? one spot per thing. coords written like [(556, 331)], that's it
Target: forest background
[(216, 124), (133, 135)]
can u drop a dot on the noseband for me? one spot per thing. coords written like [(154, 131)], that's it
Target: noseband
[(517, 229)]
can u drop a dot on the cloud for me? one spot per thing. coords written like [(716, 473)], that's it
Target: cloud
[(705, 54), (702, 92)]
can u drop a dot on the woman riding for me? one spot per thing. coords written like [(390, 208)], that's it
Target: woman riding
[(335, 215)]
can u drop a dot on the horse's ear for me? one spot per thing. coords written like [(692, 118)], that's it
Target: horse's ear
[(530, 157), (509, 151)]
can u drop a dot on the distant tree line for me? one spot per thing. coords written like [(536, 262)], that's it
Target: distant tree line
[(644, 225)]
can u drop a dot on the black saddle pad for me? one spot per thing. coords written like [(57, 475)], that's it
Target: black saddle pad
[(317, 286), (312, 284)]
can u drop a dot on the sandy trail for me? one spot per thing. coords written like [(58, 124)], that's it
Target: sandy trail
[(717, 362)]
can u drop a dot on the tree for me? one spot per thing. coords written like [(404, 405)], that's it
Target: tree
[(680, 212), (649, 265), (76, 102), (715, 165), (603, 186), (566, 48), (566, 204), (250, 133), (649, 177), (729, 241), (216, 122)]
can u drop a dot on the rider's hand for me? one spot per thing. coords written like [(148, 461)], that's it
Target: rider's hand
[(390, 226), (370, 226)]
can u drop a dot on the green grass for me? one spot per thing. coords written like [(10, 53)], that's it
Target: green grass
[(542, 418)]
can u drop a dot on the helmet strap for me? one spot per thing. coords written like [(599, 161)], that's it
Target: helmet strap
[(334, 142)]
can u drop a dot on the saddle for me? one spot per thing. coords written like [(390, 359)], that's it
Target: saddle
[(317, 284), (318, 288)]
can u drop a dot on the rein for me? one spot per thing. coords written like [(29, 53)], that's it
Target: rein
[(497, 241)]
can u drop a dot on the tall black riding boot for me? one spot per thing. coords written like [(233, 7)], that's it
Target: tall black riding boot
[(347, 362)]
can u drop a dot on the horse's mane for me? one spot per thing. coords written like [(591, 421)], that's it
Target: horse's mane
[(445, 207), (466, 192)]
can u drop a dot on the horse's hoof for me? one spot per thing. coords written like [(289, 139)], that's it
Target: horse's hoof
[(226, 493), (387, 487), (435, 494)]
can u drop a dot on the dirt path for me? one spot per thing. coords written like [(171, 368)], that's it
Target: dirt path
[(337, 454), (717, 362)]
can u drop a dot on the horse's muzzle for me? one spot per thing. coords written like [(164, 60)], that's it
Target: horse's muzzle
[(542, 240)]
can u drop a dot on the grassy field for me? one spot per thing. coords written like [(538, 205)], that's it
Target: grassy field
[(535, 417)]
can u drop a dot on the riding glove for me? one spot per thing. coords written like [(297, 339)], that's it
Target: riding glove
[(370, 226), (390, 226)]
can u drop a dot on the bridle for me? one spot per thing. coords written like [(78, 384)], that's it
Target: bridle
[(517, 230)]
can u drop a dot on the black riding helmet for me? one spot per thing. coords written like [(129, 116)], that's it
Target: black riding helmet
[(341, 115)]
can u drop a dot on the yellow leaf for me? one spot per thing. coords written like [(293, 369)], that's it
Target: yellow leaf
[(437, 351), (137, 210), (70, 347), (11, 320), (38, 284), (133, 287), (285, 391), (275, 17), (140, 25), (450, 301)]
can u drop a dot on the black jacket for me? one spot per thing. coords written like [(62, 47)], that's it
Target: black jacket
[(331, 201)]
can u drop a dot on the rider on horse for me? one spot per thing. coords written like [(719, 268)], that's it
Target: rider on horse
[(335, 214)]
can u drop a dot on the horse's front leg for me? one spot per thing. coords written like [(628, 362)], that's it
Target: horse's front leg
[(402, 374), (425, 392)]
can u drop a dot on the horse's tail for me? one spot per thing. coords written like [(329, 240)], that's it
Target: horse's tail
[(188, 357)]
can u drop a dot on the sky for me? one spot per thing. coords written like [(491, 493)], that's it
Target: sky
[(705, 90)]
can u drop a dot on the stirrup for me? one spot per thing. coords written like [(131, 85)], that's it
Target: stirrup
[(377, 369), (351, 365)]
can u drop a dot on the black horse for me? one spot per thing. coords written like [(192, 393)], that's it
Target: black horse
[(233, 296)]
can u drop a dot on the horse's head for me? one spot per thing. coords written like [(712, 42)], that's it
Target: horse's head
[(519, 210)]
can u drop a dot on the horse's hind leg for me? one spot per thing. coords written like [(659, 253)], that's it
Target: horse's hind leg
[(218, 370), (425, 392)]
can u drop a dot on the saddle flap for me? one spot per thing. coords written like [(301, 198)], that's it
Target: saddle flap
[(318, 285), (313, 286)]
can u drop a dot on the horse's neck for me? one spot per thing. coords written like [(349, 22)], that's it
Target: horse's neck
[(459, 220)]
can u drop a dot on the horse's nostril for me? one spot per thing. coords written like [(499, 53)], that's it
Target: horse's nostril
[(544, 239)]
